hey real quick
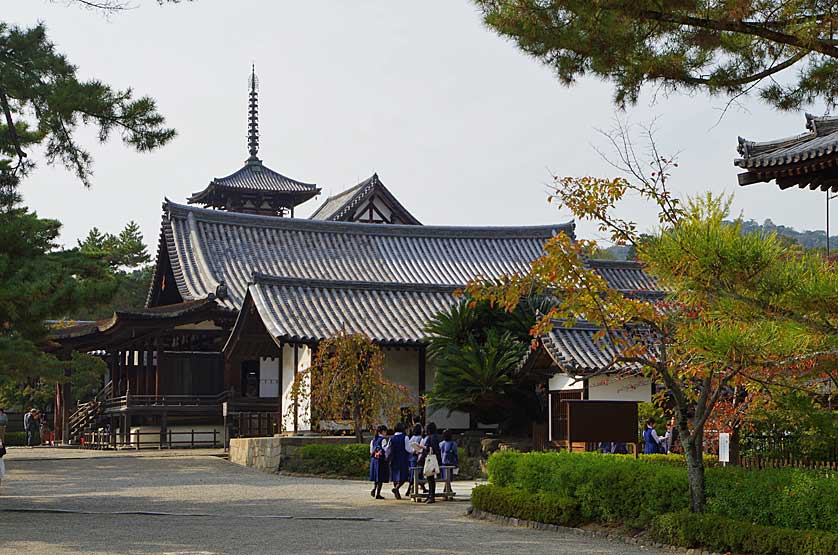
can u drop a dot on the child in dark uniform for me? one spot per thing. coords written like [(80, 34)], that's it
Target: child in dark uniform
[(379, 469)]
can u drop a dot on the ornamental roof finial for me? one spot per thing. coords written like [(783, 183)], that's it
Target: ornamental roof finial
[(253, 115)]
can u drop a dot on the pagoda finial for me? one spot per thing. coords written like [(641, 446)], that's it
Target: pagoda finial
[(253, 115)]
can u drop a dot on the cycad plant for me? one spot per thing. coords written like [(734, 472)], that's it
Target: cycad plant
[(476, 349)]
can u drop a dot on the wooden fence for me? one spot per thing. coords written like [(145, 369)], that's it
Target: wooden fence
[(762, 462)]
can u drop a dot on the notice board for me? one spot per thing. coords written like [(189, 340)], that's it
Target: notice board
[(598, 421)]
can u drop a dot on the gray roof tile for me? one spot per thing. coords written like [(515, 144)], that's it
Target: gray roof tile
[(341, 206), (209, 247), (255, 176), (820, 140), (312, 310)]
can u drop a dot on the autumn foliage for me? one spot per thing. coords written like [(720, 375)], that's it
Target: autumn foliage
[(743, 312), (346, 382)]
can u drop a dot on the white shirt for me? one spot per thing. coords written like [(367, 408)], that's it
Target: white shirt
[(412, 444)]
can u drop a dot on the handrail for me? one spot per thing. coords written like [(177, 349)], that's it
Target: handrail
[(166, 400)]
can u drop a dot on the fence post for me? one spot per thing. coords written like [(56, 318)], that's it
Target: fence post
[(192, 445)]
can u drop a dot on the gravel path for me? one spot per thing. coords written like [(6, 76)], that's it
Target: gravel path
[(59, 502)]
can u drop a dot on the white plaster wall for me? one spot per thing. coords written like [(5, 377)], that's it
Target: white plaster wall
[(614, 388), (269, 377), (363, 211), (401, 366), (561, 382), (303, 407), (287, 373), (441, 418)]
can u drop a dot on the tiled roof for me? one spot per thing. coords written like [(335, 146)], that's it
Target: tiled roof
[(575, 348), (577, 351), (208, 248), (343, 205), (312, 310), (255, 176), (625, 276), (820, 140)]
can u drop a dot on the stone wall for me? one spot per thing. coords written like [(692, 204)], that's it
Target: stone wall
[(261, 453), (268, 453)]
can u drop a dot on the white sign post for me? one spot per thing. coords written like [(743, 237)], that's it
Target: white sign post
[(724, 448)]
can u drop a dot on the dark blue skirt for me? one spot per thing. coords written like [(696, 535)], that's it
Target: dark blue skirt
[(379, 470)]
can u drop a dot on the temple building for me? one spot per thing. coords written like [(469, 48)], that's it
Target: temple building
[(809, 159), (243, 292)]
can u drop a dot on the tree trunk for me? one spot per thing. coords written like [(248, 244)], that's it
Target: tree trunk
[(735, 447), (693, 449)]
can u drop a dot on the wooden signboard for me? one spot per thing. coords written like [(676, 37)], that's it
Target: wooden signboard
[(597, 421)]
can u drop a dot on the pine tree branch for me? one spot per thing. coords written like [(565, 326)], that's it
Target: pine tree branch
[(750, 78), (824, 47), (10, 123)]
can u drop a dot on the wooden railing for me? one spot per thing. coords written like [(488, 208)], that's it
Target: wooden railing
[(189, 439), (126, 401)]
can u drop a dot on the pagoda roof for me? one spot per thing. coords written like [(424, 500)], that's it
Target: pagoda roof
[(807, 159), (256, 177), (342, 206), (207, 251)]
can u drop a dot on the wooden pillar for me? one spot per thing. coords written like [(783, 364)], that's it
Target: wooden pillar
[(164, 428), (148, 368), (123, 381), (161, 358), (113, 432), (67, 405)]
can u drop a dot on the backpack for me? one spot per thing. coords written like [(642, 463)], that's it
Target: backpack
[(379, 452)]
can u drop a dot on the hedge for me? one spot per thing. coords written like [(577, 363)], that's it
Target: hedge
[(540, 507), (18, 439), (722, 535), (348, 460), (615, 489)]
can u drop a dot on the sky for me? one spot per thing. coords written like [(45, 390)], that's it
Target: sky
[(458, 123)]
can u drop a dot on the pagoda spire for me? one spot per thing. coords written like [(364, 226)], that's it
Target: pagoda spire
[(253, 116)]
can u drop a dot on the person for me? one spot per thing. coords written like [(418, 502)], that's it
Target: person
[(618, 448), (378, 461), (449, 455), (2, 463), (414, 444), (399, 456), (671, 436), (47, 438), (4, 421), (651, 441), (30, 426), (430, 448)]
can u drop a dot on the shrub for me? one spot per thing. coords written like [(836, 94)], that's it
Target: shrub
[(17, 439), (612, 488), (539, 507), (348, 460), (722, 534)]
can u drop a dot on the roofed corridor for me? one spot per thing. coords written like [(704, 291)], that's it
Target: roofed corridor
[(195, 503)]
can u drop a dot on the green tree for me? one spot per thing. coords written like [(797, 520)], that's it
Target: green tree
[(43, 103), (726, 48), (346, 382), (743, 309), (476, 349)]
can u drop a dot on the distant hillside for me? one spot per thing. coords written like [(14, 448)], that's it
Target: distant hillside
[(808, 239)]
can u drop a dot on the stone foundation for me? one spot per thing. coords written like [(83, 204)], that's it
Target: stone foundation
[(269, 453)]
